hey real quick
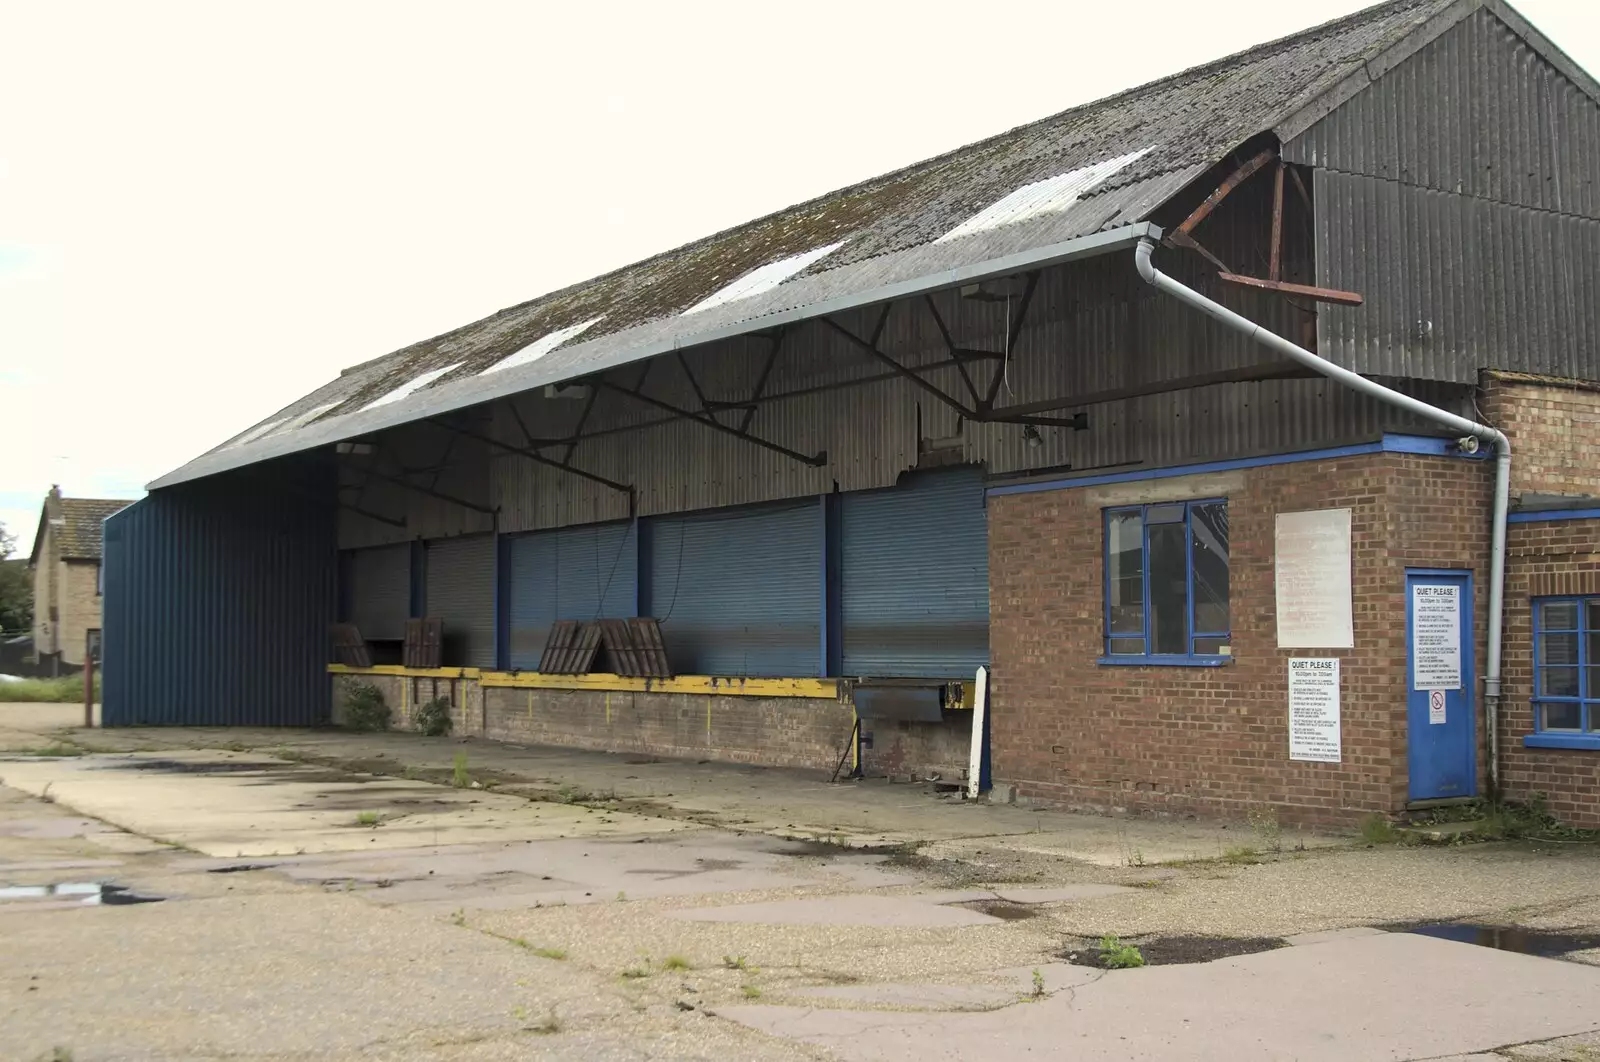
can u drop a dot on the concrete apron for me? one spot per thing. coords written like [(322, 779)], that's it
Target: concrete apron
[(1360, 994), (230, 804)]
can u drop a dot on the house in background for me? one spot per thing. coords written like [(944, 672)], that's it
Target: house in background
[(66, 577)]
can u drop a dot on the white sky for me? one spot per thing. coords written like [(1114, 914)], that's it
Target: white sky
[(208, 209)]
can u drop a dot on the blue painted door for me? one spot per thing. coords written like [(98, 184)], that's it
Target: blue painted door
[(1441, 728)]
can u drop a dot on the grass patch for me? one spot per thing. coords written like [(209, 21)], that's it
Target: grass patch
[(676, 962), (750, 991), (66, 690), (734, 962), (368, 818), (459, 777), (542, 952), (1532, 822), (1241, 855), (1114, 955), (58, 749), (635, 973)]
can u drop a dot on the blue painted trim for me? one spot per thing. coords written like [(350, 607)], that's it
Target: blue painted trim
[(1546, 515), (1190, 634), (1562, 741), (644, 535), (502, 601), (1392, 443), (1164, 661)]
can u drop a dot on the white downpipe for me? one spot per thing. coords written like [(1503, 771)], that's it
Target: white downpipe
[(980, 709), (1356, 382)]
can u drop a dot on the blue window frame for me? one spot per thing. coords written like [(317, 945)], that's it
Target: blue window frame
[(1166, 584), (1566, 691)]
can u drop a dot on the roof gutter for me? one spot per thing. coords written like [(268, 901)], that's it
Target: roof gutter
[(1469, 430)]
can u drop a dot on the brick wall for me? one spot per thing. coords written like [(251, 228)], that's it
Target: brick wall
[(1544, 558), (1554, 428), (78, 585), (1215, 740), (802, 732)]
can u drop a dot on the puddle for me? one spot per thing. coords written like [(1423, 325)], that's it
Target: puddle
[(1002, 909), (87, 893), (1550, 944), (1174, 950)]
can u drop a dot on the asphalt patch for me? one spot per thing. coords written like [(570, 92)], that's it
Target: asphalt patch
[(1172, 950)]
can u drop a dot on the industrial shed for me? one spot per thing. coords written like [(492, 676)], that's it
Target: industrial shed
[(1188, 412)]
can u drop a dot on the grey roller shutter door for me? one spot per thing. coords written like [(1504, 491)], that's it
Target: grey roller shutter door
[(739, 591), (577, 573), (379, 594), (914, 571), (460, 591)]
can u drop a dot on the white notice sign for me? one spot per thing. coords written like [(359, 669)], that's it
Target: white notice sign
[(1314, 710), (1436, 714), (1311, 553), (1435, 636)]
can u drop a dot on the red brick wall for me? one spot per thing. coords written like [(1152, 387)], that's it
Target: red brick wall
[(1554, 428), (1215, 740), (1542, 559)]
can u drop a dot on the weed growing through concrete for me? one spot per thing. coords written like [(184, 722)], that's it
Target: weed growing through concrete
[(1264, 824), (750, 991), (635, 973), (550, 953), (1038, 984), (1114, 955), (368, 818), (55, 1054), (734, 962), (676, 962), (458, 917), (364, 707), (432, 718), (459, 776), (1375, 829), (57, 749), (549, 1025), (1241, 854)]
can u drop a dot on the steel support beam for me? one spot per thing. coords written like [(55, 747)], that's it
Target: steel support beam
[(872, 349), (814, 460), (1013, 332), (1285, 370), (532, 455), (950, 346), (428, 491)]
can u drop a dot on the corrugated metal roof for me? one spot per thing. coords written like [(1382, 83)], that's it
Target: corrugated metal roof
[(889, 228)]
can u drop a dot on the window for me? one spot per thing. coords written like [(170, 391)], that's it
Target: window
[(1167, 584), (1566, 695)]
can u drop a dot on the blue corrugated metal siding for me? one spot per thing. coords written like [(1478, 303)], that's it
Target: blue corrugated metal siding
[(915, 571), (576, 573), (377, 590), (739, 591), (461, 593), (218, 598)]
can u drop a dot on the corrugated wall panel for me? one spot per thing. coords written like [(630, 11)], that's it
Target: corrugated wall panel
[(576, 573), (218, 597), (460, 591), (379, 592), (1460, 193), (1475, 283), (914, 577), (739, 591)]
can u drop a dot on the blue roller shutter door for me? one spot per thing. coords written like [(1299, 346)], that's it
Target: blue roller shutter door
[(574, 573), (377, 590), (460, 591), (739, 591), (914, 563)]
